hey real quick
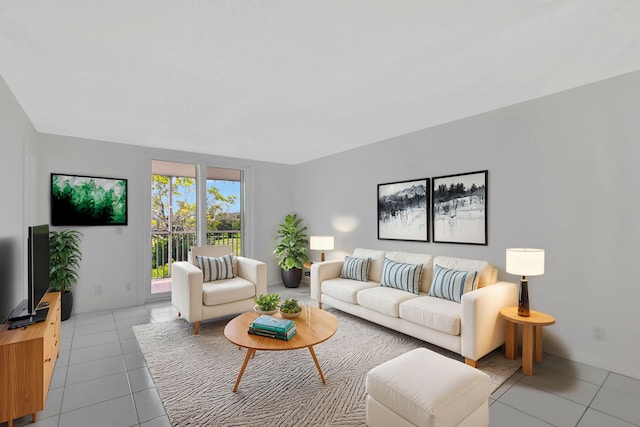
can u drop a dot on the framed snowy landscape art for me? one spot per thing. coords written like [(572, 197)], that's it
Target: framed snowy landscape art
[(460, 208), (403, 212)]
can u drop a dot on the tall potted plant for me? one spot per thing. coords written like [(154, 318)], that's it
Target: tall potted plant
[(64, 263), (291, 250)]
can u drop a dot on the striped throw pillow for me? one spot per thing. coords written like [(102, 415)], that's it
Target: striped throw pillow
[(451, 284), (405, 277), (356, 268), (215, 268)]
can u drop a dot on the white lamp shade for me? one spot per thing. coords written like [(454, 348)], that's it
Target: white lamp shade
[(525, 261), (321, 243)]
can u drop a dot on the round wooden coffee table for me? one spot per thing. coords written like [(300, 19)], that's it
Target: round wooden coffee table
[(319, 327)]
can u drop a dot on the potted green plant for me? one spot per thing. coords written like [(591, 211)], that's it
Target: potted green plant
[(266, 304), (290, 308), (64, 263), (291, 250)]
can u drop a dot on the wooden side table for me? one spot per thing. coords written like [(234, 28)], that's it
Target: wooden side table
[(306, 272), (531, 335)]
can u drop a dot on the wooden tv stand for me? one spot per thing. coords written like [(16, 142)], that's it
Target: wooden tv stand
[(27, 358)]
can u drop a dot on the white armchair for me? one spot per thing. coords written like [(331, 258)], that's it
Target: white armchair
[(196, 300)]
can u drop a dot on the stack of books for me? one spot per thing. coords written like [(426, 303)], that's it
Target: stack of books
[(273, 327)]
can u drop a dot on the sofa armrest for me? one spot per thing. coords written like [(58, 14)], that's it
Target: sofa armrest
[(482, 327), (254, 271), (321, 271), (186, 290)]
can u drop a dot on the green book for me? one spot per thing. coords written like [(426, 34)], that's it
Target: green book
[(281, 336), (270, 323)]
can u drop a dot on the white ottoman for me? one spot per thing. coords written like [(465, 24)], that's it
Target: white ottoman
[(423, 388)]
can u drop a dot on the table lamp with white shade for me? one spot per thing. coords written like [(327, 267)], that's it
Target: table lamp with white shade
[(321, 243), (525, 262)]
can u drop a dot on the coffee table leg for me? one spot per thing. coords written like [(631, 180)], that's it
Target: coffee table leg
[(250, 353), (315, 359)]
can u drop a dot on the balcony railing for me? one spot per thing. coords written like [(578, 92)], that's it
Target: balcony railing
[(179, 243)]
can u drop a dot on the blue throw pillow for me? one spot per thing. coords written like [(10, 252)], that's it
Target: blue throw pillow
[(451, 284), (405, 277), (356, 268), (215, 268)]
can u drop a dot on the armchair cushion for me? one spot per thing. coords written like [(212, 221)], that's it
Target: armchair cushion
[(217, 268), (212, 251), (227, 290)]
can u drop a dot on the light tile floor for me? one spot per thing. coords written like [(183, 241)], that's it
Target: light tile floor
[(101, 379)]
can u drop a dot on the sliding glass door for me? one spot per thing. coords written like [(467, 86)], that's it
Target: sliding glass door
[(183, 215)]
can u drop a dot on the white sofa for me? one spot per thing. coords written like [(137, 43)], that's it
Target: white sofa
[(471, 328), (196, 300)]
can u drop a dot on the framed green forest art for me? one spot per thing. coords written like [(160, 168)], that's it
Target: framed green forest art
[(86, 200)]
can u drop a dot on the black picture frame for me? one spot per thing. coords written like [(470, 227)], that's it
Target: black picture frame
[(80, 200), (403, 210), (459, 208)]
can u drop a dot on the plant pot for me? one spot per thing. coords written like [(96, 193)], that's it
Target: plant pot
[(290, 315), (269, 312), (67, 305), (291, 278)]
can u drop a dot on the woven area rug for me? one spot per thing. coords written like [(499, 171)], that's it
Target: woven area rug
[(194, 374)]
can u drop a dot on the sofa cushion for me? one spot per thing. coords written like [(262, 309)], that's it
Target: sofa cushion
[(345, 289), (355, 268), (413, 258), (451, 284), (218, 268), (487, 274), (227, 290), (405, 277), (384, 300), (435, 313), (377, 261)]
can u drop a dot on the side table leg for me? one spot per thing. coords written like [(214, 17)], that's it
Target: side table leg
[(511, 340), (527, 349), (315, 359), (250, 353), (538, 343)]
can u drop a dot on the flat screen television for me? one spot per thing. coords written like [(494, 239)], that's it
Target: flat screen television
[(37, 274), (88, 200), (38, 265), (8, 291)]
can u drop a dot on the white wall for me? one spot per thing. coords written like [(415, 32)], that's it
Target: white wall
[(16, 137), (116, 265), (563, 176)]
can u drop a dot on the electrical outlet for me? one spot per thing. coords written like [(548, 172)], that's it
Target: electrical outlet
[(599, 334)]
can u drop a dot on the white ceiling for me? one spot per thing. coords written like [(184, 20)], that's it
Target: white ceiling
[(290, 80)]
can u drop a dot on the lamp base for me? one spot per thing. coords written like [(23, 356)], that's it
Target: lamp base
[(523, 298)]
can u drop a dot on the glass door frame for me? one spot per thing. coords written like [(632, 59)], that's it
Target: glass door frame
[(201, 207)]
